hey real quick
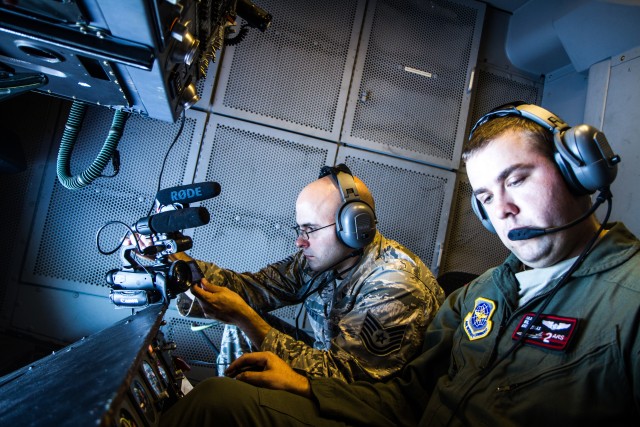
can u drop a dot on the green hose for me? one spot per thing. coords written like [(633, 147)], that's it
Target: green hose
[(69, 137)]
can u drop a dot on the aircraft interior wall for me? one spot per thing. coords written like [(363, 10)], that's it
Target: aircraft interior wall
[(325, 84)]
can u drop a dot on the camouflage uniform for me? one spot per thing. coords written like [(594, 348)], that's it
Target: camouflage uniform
[(366, 326)]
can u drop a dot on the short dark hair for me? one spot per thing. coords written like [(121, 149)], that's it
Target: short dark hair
[(496, 127)]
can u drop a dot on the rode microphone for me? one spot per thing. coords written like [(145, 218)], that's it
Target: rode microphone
[(525, 233), (186, 194), (170, 221)]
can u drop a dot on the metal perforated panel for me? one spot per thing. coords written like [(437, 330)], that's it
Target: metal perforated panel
[(412, 200), (261, 171), (409, 95), (200, 348), (470, 247), (296, 74), (495, 87), (63, 252), (197, 348)]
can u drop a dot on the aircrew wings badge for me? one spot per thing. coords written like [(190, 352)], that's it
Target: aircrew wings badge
[(477, 324)]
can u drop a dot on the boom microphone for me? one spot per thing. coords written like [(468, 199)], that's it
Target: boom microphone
[(531, 232), (170, 221), (526, 233), (188, 193)]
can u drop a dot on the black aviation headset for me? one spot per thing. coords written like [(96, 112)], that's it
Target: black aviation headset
[(582, 153), (355, 219)]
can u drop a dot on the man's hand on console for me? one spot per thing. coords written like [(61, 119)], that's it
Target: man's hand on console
[(265, 369)]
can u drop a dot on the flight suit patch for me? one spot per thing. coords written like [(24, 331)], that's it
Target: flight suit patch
[(548, 331), (478, 324)]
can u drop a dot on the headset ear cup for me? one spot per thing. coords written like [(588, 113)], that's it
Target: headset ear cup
[(562, 157), (355, 224), (593, 166), (569, 175), (478, 209)]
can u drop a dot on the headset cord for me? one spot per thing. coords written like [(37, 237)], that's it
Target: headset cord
[(563, 280), (321, 286)]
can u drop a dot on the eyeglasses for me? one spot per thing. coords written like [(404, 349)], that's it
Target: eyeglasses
[(305, 233)]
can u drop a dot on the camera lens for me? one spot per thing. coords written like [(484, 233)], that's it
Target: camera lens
[(179, 278)]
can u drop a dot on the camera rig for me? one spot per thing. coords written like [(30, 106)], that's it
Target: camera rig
[(137, 284), (157, 279)]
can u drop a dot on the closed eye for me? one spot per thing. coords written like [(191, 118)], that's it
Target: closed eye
[(485, 198), (515, 181)]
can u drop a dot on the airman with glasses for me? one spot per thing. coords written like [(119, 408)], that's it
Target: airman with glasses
[(367, 308)]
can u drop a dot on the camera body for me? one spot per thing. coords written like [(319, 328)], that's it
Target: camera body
[(138, 285)]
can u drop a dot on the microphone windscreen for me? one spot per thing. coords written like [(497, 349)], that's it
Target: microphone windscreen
[(179, 219), (188, 193), (526, 233)]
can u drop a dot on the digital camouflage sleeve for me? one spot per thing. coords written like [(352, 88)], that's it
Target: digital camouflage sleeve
[(366, 326)]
